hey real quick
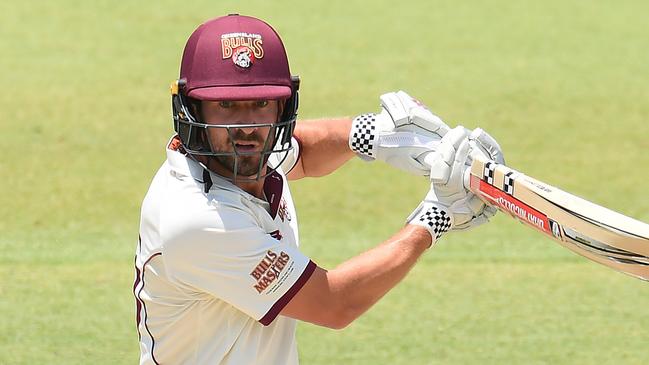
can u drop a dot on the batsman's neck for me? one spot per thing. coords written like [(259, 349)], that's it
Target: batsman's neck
[(254, 188)]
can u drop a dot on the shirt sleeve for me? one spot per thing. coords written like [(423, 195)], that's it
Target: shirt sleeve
[(232, 258)]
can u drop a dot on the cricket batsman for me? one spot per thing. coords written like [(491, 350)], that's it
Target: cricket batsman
[(220, 278)]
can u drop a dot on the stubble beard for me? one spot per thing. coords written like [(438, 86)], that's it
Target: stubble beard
[(246, 166)]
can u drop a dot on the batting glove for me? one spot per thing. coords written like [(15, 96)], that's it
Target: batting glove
[(401, 134), (447, 204), (448, 196)]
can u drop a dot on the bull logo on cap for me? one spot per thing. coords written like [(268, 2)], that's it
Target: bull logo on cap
[(242, 57), (242, 48)]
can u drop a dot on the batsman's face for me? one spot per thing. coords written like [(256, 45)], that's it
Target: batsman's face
[(245, 145)]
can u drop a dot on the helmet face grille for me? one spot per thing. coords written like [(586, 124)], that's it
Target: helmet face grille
[(193, 134)]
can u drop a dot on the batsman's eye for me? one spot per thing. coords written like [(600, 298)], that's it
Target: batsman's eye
[(261, 103), (226, 104)]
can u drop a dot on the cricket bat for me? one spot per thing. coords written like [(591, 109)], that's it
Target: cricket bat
[(597, 233)]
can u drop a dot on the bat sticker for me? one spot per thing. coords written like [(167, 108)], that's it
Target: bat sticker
[(489, 169), (555, 228), (508, 183)]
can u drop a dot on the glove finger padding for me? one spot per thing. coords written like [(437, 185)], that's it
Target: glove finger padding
[(462, 213), (489, 211), (470, 224), (408, 113), (483, 143), (448, 164), (423, 119), (476, 204), (456, 180), (478, 213)]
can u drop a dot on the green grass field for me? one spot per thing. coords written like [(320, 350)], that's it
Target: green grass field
[(563, 86)]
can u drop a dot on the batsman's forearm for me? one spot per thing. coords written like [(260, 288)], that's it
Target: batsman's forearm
[(324, 145), (361, 281)]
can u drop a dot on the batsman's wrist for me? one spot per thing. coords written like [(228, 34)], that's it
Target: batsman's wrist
[(434, 217)]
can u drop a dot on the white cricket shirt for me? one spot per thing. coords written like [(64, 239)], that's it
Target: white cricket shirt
[(215, 266)]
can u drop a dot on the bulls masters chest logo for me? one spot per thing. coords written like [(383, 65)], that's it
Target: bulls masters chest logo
[(242, 48)]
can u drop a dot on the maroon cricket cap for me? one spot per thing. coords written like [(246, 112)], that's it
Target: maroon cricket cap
[(235, 57)]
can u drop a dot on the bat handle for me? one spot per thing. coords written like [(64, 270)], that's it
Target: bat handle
[(478, 160), (467, 178)]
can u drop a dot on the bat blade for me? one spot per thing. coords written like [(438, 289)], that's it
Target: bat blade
[(590, 230)]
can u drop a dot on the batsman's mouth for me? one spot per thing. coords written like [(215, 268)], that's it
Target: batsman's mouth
[(247, 147)]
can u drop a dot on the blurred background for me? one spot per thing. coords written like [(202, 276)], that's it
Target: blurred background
[(562, 85)]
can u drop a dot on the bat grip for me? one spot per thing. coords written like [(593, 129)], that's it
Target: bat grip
[(478, 160), (466, 179)]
